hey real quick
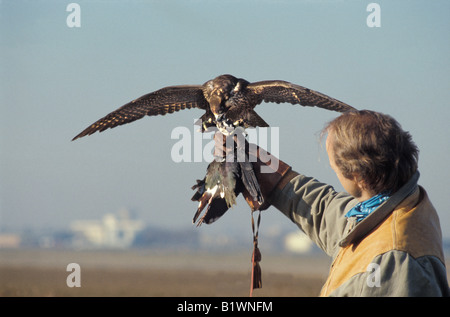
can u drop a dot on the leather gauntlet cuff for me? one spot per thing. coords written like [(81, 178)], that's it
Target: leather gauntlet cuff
[(270, 172)]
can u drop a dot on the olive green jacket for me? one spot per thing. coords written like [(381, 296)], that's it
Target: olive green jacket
[(395, 251)]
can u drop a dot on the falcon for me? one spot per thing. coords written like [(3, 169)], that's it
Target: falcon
[(229, 104), (224, 96)]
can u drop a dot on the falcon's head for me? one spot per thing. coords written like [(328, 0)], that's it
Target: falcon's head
[(219, 90)]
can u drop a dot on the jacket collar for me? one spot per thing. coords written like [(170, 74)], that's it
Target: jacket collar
[(360, 230)]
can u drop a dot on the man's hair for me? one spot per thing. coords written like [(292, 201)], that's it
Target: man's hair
[(373, 146)]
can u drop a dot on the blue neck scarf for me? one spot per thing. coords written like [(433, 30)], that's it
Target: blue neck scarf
[(363, 209)]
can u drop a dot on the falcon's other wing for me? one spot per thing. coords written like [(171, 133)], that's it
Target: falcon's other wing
[(282, 91), (160, 102)]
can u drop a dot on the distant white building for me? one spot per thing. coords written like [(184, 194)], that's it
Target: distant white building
[(298, 242), (112, 231)]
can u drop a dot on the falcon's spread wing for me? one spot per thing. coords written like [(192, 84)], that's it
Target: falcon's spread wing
[(281, 91), (160, 102)]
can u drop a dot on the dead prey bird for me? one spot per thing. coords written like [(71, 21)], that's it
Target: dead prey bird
[(229, 103)]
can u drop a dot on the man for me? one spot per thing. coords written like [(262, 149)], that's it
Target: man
[(383, 234)]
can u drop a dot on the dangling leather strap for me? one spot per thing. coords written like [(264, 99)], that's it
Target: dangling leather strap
[(256, 280)]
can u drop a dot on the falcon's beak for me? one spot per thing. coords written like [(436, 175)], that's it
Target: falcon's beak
[(215, 104)]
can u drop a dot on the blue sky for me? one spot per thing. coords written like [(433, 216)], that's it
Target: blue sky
[(57, 80)]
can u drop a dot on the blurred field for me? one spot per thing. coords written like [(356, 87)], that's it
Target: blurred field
[(157, 273)]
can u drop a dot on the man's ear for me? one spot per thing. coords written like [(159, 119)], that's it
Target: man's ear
[(364, 191), (360, 183)]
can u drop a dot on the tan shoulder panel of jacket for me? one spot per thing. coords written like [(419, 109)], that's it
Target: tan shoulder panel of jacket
[(413, 227)]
